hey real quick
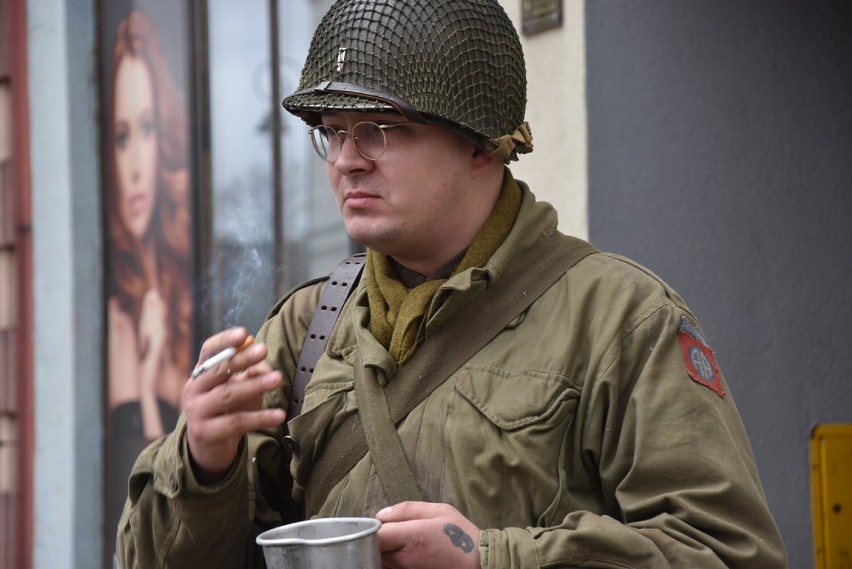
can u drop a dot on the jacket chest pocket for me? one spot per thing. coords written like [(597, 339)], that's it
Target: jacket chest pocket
[(506, 434), (327, 406), (515, 400)]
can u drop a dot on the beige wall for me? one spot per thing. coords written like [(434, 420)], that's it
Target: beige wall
[(556, 110)]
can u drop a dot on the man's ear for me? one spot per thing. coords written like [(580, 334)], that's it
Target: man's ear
[(482, 160)]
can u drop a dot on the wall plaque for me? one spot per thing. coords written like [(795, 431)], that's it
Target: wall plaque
[(540, 15)]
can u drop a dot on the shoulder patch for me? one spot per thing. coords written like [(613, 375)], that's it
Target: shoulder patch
[(698, 357)]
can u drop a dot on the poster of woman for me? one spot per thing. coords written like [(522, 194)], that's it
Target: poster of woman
[(149, 245)]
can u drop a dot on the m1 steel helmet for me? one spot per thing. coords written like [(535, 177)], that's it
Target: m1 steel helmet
[(456, 63)]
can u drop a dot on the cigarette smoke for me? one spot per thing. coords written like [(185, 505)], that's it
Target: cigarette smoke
[(242, 274)]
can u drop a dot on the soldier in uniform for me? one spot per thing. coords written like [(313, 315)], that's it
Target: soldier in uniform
[(592, 428)]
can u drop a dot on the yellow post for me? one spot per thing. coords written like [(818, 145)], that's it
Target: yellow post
[(831, 495)]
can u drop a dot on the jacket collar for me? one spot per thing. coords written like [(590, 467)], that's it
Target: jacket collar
[(536, 220)]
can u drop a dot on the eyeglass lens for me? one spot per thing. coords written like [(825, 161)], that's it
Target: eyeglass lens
[(367, 137)]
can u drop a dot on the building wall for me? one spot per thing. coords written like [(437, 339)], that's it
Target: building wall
[(9, 418), (16, 376), (719, 156), (556, 112), (67, 273)]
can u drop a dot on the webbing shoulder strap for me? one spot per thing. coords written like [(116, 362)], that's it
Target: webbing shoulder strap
[(340, 285), (442, 353)]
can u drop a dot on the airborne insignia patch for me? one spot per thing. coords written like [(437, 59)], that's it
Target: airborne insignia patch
[(698, 357)]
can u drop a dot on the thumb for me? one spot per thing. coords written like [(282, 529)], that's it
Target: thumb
[(409, 511)]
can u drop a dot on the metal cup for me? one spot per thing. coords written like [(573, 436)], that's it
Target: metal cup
[(343, 543)]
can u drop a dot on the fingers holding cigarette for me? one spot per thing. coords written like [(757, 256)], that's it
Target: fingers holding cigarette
[(213, 361), (220, 357), (221, 407)]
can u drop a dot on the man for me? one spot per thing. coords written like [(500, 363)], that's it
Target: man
[(593, 429)]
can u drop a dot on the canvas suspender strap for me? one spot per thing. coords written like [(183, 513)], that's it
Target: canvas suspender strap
[(384, 443), (339, 286), (441, 354)]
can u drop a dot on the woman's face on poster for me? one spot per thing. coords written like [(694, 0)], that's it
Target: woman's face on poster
[(135, 140)]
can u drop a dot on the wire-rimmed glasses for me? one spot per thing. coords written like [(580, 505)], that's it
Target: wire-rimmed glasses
[(368, 138)]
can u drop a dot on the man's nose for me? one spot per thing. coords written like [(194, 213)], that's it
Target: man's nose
[(350, 159)]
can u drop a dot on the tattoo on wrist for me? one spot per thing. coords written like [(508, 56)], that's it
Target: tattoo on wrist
[(458, 537)]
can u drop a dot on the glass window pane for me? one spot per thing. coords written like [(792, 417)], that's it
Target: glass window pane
[(241, 276), (314, 238), (244, 277)]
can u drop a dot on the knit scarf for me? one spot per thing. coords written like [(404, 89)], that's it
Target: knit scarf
[(398, 314)]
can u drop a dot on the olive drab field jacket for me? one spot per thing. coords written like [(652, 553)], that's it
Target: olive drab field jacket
[(596, 430)]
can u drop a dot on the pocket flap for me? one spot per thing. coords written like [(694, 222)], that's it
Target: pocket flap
[(513, 399)]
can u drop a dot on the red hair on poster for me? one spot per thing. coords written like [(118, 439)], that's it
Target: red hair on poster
[(149, 233)]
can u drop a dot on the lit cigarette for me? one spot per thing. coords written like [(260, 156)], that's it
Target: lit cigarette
[(220, 357)]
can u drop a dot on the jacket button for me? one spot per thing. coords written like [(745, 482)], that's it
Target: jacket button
[(291, 444), (173, 482)]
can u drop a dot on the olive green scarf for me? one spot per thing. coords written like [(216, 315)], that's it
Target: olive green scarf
[(398, 314)]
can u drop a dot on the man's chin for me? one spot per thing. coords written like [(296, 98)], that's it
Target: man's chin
[(378, 242), (367, 232)]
